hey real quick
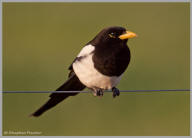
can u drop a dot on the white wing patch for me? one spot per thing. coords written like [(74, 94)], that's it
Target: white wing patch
[(86, 50), (88, 75)]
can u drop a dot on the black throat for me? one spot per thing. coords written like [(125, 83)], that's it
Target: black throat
[(110, 58)]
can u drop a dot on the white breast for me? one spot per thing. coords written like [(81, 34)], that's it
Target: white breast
[(88, 75)]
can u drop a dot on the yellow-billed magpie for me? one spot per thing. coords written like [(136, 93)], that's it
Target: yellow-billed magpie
[(99, 66)]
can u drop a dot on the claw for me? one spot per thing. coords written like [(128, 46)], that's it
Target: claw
[(116, 92), (99, 92)]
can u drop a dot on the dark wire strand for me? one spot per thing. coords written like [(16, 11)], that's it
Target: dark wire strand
[(124, 91)]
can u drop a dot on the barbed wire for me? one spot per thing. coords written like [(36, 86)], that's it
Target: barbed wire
[(124, 91)]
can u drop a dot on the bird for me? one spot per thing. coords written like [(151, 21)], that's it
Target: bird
[(99, 66)]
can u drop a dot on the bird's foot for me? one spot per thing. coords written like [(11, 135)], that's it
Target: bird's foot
[(99, 92), (116, 92)]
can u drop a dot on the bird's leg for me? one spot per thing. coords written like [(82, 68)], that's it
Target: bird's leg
[(99, 92), (116, 92)]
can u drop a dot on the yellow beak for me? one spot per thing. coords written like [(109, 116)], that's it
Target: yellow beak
[(127, 35)]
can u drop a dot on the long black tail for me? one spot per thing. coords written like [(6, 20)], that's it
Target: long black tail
[(72, 84)]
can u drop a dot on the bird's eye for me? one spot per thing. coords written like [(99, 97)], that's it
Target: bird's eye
[(112, 35)]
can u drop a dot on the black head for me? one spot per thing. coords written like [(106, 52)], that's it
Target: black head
[(112, 35)]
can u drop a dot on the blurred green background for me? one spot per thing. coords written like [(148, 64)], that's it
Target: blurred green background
[(40, 40)]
